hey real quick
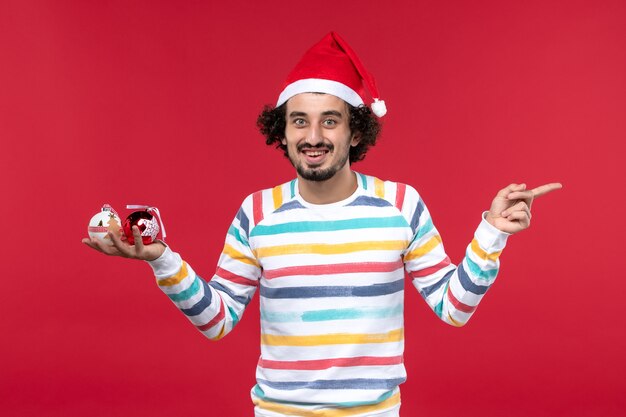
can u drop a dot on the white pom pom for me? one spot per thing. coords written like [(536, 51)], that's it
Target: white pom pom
[(379, 108)]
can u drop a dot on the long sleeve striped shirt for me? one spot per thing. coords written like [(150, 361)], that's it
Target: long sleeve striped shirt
[(331, 284)]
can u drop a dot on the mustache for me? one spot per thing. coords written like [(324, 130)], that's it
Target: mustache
[(304, 146)]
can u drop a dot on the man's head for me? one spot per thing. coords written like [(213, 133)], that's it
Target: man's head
[(329, 72)]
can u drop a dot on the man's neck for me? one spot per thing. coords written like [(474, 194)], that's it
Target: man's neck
[(341, 186)]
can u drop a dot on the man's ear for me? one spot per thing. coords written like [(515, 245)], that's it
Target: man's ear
[(284, 141), (356, 139)]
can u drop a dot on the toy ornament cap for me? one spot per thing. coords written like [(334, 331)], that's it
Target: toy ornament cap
[(332, 67)]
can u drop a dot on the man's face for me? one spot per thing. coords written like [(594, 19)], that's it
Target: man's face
[(317, 135)]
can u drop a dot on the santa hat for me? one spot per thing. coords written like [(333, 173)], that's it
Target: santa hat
[(332, 67)]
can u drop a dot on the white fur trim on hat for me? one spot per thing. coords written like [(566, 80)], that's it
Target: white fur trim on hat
[(318, 85)]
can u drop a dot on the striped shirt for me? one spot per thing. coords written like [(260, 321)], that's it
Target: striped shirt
[(331, 285)]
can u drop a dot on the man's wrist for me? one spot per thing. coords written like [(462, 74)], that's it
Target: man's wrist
[(167, 264), (489, 218), (158, 248)]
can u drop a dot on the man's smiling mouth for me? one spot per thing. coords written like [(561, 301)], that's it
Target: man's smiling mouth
[(314, 153)]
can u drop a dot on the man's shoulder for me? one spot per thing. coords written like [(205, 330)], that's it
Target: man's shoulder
[(395, 192), (262, 202)]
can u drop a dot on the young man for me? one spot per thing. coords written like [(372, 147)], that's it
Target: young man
[(329, 251)]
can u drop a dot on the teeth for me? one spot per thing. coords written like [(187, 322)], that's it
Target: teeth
[(316, 153)]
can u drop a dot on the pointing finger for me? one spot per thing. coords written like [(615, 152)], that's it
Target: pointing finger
[(545, 189)]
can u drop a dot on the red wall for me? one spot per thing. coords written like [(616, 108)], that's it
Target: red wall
[(155, 103)]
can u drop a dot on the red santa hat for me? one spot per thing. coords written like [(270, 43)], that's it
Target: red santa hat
[(332, 67)]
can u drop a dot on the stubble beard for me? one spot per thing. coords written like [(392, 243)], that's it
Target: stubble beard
[(318, 174)]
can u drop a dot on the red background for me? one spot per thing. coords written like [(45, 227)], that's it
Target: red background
[(155, 103)]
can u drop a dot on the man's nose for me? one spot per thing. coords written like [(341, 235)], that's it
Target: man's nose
[(315, 135)]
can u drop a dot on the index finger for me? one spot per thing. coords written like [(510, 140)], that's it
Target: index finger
[(545, 189)]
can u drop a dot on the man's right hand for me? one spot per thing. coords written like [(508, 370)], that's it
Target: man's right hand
[(125, 250)]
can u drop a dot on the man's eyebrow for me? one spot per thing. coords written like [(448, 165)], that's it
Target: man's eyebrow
[(325, 113)]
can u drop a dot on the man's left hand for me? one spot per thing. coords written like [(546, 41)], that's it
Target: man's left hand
[(510, 210)]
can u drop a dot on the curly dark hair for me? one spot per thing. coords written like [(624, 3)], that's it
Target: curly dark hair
[(272, 123)]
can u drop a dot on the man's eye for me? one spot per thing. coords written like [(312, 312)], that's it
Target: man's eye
[(299, 122), (330, 122)]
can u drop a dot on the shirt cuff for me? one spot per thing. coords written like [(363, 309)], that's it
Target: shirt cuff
[(490, 238), (166, 265)]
